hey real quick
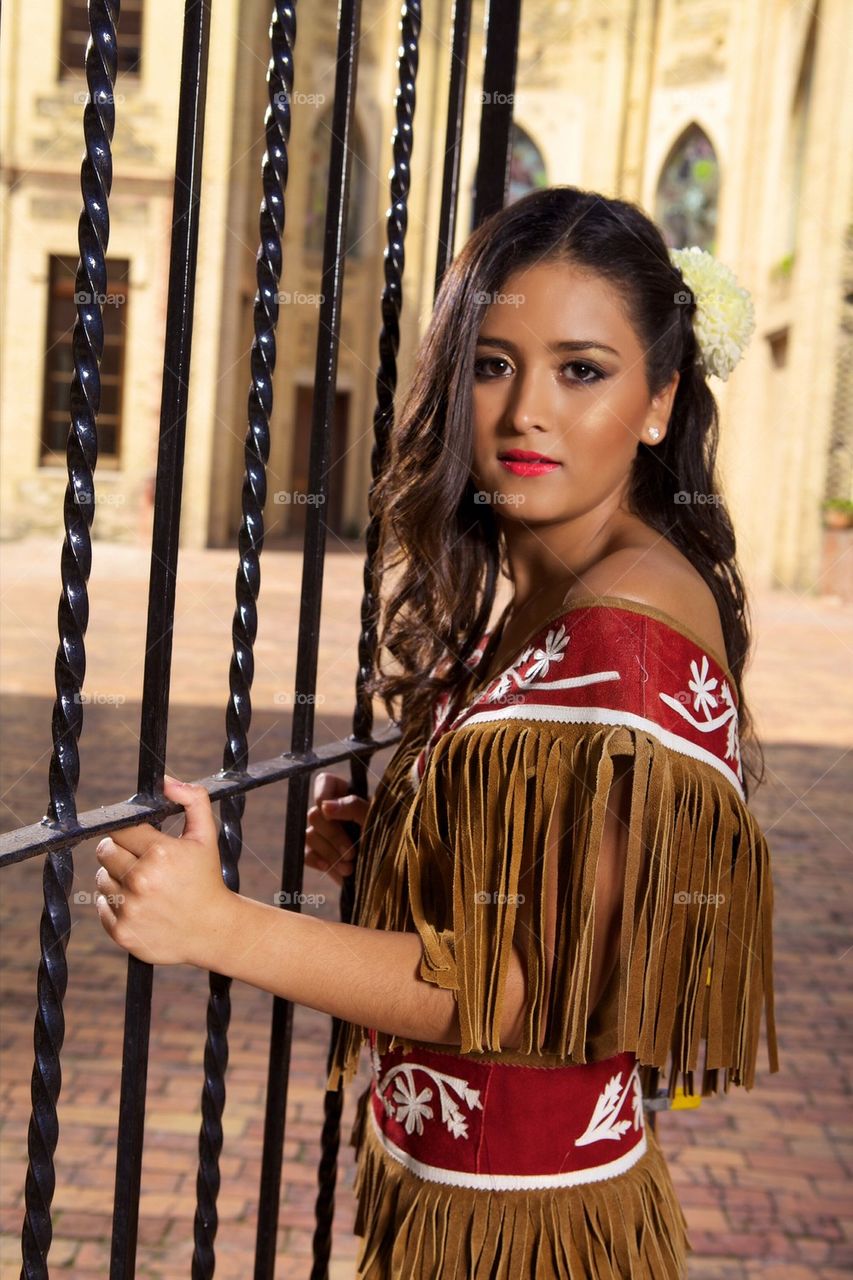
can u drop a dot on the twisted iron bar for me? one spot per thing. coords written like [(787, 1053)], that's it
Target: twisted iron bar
[(402, 142), (277, 122), (73, 616)]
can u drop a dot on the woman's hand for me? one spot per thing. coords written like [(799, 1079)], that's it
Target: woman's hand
[(327, 845), (163, 898)]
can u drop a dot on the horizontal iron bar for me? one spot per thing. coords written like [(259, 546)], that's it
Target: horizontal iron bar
[(42, 837)]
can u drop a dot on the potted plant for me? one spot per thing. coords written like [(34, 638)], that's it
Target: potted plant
[(838, 513)]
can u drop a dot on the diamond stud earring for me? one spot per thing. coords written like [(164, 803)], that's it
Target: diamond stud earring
[(654, 432)]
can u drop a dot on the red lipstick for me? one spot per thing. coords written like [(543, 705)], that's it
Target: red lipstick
[(525, 462)]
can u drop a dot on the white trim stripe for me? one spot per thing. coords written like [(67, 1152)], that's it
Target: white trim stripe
[(603, 715), (507, 1181)]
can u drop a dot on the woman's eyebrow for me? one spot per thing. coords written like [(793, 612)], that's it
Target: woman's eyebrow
[(576, 344)]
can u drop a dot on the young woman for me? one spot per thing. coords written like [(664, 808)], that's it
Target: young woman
[(561, 892)]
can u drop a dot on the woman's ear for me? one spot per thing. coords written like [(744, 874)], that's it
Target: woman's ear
[(660, 408)]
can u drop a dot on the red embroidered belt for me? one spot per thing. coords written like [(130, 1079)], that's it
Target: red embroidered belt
[(502, 1127)]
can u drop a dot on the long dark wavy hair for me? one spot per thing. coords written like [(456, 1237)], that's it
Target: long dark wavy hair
[(439, 552)]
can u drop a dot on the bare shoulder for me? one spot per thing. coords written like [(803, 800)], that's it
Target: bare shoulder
[(661, 577)]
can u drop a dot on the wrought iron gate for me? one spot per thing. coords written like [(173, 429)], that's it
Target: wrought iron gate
[(55, 837)]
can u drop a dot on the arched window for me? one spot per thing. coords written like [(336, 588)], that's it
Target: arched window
[(688, 192), (526, 168), (357, 220)]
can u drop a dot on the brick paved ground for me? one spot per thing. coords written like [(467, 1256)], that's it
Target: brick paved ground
[(764, 1176)]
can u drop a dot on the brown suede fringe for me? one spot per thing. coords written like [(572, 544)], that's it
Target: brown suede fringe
[(695, 957)]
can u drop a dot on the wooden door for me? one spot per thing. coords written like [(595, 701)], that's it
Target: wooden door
[(299, 468)]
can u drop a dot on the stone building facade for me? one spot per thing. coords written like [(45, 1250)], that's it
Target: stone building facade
[(730, 123)]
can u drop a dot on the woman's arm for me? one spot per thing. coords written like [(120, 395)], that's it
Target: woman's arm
[(366, 976), (167, 904)]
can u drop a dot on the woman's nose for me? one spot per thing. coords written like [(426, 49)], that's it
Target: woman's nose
[(532, 398)]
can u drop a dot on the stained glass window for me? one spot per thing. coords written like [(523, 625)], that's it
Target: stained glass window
[(688, 192), (526, 166)]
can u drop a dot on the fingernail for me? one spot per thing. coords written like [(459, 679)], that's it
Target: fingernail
[(168, 778)]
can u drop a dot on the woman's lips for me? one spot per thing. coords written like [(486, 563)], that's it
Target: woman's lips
[(528, 466)]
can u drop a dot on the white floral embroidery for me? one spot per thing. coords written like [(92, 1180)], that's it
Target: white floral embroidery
[(553, 652), (441, 711), (704, 700), (443, 705), (702, 686), (603, 1123), (733, 738), (411, 1107), (637, 1101)]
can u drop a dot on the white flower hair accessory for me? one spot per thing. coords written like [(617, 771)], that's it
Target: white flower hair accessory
[(724, 319)]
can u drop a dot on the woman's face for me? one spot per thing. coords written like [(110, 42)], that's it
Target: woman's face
[(559, 371)]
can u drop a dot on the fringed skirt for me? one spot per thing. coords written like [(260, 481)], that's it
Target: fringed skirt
[(471, 1170)]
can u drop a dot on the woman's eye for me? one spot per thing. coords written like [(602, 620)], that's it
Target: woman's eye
[(581, 364), (487, 360)]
